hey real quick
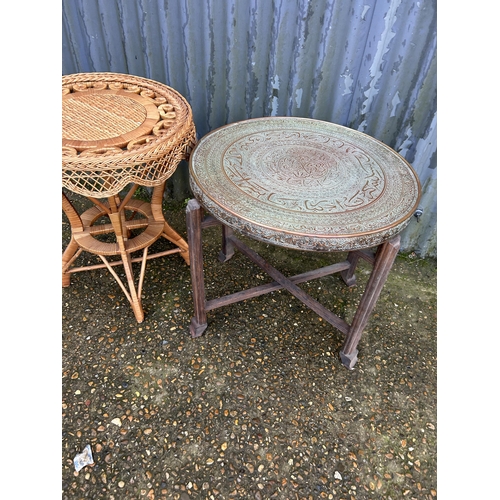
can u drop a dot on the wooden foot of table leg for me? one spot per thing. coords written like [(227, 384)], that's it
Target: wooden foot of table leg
[(227, 250), (349, 360), (194, 215), (197, 329), (382, 265), (348, 275)]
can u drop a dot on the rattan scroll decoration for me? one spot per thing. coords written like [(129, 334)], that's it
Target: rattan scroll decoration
[(147, 159)]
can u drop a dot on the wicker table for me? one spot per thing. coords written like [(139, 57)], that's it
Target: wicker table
[(302, 184), (121, 131)]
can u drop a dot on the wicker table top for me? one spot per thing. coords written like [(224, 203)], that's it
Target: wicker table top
[(118, 129), (304, 183)]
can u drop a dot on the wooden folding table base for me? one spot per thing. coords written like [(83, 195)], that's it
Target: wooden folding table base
[(381, 261)]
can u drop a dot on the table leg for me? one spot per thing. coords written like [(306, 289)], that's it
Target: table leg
[(348, 275), (171, 235), (383, 262), (168, 232), (227, 250), (134, 297), (84, 232), (67, 258), (72, 249), (194, 214)]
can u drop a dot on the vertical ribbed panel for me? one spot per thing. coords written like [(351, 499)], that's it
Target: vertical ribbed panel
[(369, 65)]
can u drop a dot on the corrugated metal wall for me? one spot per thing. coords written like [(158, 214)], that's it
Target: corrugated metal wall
[(366, 64)]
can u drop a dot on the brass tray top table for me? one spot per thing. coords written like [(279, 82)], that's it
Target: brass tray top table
[(302, 184), (121, 130)]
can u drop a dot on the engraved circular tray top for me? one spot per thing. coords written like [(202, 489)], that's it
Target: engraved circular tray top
[(119, 128), (303, 183)]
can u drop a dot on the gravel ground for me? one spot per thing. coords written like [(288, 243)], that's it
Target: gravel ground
[(260, 406)]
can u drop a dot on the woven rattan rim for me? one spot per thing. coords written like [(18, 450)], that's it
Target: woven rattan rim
[(146, 153)]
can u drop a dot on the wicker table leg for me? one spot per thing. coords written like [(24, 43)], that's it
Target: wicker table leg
[(69, 255), (73, 249), (168, 232), (133, 295), (382, 265), (194, 214)]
